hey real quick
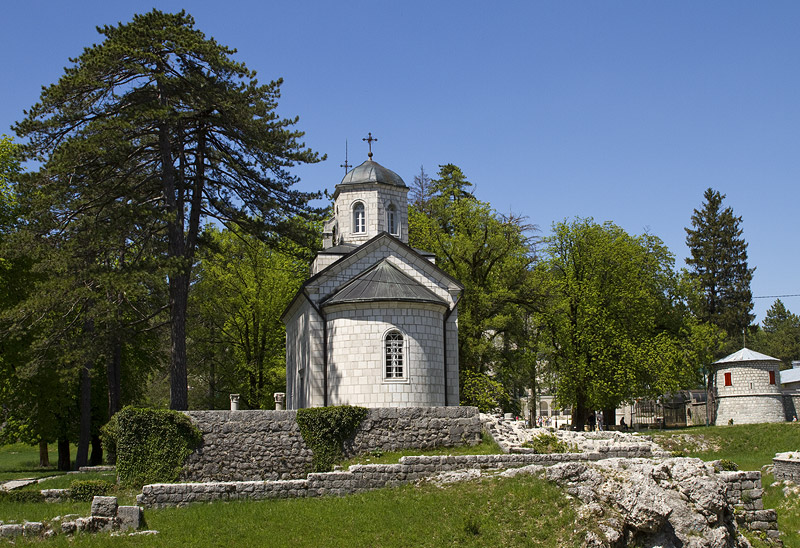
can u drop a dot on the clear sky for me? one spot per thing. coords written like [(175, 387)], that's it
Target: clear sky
[(620, 110)]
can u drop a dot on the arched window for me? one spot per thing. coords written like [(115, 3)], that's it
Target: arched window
[(391, 220), (359, 218), (393, 351)]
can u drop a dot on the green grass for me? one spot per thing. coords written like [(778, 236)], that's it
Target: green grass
[(751, 446), (65, 480), (22, 461), (515, 512), (487, 446)]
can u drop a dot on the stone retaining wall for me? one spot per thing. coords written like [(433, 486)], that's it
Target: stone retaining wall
[(267, 445), (745, 494), (786, 466), (357, 479)]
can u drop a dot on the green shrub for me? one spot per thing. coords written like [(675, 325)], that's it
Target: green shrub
[(109, 434), (481, 391), (85, 490), (21, 496), (547, 443), (729, 465), (152, 445), (325, 429)]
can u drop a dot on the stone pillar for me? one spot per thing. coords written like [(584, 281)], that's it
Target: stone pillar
[(234, 402), (280, 400)]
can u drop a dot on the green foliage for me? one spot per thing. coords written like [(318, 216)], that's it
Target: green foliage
[(149, 133), (613, 317), (85, 490), (491, 256), (152, 445), (238, 339), (18, 496), (109, 434), (547, 443), (780, 337), (325, 429), (481, 391), (729, 465), (718, 262)]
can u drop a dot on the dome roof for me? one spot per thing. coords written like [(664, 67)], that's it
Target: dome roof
[(372, 172)]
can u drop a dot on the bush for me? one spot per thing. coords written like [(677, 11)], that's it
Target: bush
[(21, 496), (109, 434), (729, 465), (85, 490), (481, 391), (325, 429), (152, 444), (547, 443)]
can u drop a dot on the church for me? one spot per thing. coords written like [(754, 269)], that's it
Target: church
[(376, 323)]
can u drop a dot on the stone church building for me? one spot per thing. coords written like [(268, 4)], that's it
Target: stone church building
[(376, 324)]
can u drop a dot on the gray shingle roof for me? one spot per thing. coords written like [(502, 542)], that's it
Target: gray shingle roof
[(383, 282)]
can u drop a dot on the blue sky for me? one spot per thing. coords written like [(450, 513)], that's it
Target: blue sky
[(622, 111)]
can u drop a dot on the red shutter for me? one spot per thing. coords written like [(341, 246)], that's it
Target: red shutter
[(728, 379), (772, 377)]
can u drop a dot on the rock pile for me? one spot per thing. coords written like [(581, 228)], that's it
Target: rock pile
[(676, 502), (106, 516)]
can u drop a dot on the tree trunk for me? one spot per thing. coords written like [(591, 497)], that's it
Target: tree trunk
[(97, 451), (84, 438), (114, 375), (579, 413), (64, 462), (178, 380), (44, 455)]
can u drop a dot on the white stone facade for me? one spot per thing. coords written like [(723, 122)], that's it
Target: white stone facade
[(748, 392), (368, 293)]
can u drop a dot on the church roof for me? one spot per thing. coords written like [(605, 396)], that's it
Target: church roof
[(345, 248), (746, 355), (372, 172), (383, 282)]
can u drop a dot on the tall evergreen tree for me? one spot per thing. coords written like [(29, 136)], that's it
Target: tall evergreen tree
[(158, 121), (718, 264), (782, 333)]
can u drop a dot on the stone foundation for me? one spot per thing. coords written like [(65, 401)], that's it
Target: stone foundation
[(786, 466), (267, 445)]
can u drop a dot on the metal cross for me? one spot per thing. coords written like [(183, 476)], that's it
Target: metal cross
[(369, 140), (345, 165)]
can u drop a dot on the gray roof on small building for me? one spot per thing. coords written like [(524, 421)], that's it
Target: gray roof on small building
[(372, 172), (746, 355), (383, 282), (790, 375)]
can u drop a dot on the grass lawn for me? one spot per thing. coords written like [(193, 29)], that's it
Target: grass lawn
[(522, 511), (22, 461)]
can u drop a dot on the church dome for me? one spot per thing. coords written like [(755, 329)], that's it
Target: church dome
[(372, 172)]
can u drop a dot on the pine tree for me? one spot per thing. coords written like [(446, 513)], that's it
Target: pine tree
[(158, 127), (718, 264), (782, 333)]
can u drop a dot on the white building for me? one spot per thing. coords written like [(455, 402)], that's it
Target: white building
[(376, 324), (747, 389)]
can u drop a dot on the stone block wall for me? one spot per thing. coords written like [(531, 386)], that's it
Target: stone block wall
[(753, 409), (786, 466), (267, 445), (745, 494)]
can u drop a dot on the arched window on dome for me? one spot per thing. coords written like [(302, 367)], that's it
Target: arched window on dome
[(359, 218), (391, 220), (394, 356)]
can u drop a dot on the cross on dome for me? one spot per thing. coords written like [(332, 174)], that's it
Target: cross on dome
[(369, 139)]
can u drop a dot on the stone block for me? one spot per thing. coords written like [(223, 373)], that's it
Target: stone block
[(129, 517), (105, 507), (12, 530), (33, 528)]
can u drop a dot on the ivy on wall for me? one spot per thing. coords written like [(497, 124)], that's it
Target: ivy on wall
[(150, 444), (325, 429)]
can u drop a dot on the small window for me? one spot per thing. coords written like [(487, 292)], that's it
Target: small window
[(772, 377), (728, 379), (359, 218), (393, 345), (391, 220)]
